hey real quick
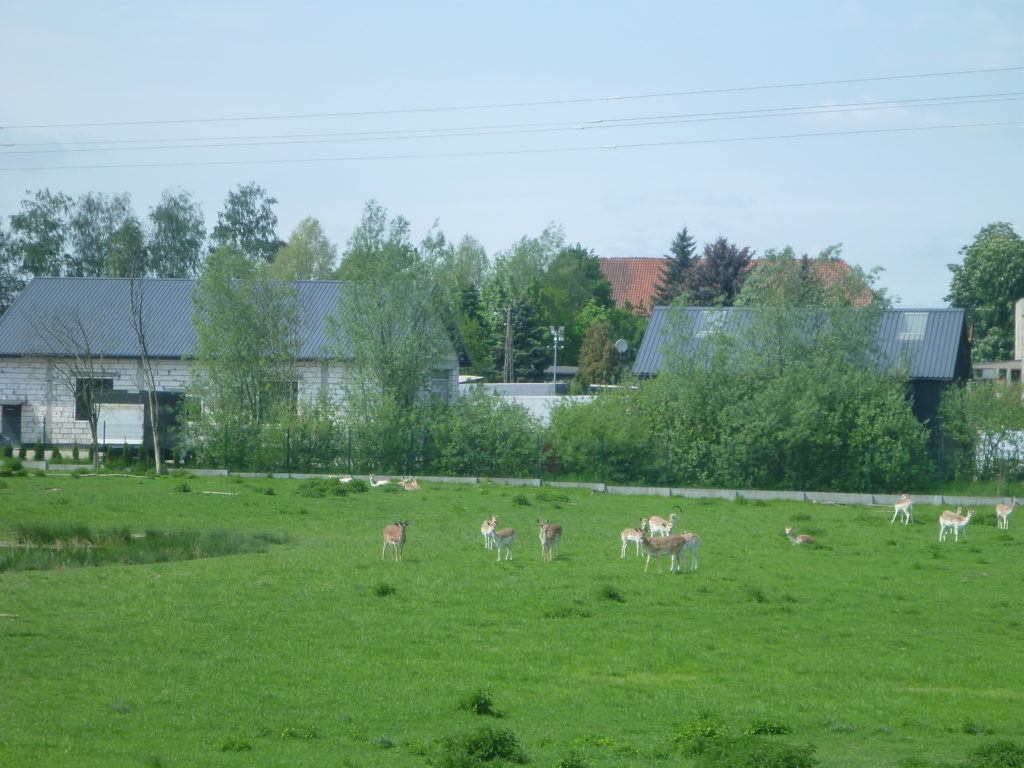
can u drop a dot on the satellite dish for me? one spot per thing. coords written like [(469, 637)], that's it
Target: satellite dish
[(621, 346)]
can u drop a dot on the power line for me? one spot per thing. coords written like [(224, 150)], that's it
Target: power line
[(493, 153), (500, 130), (517, 104)]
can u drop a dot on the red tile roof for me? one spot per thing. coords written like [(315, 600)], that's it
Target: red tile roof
[(635, 279)]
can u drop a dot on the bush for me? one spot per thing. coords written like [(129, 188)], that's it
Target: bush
[(477, 748), (37, 452), (320, 487), (704, 727), (767, 728), (384, 590), (999, 754), (8, 450), (753, 752), (481, 702), (358, 486), (485, 435), (12, 464), (55, 456), (22, 451), (74, 453)]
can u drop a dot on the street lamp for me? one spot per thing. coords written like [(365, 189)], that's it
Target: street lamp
[(557, 337)]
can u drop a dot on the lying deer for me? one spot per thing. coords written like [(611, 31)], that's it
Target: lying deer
[(803, 538)]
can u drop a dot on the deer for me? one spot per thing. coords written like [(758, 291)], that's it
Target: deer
[(410, 484), (345, 479), (955, 520), (394, 537), (659, 526), (377, 482), (504, 538), (1003, 512), (550, 536), (657, 546), (487, 530), (803, 538), (691, 544), (904, 506), (631, 535)]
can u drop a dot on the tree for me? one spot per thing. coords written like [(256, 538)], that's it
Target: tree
[(308, 254), (986, 285), (681, 258), (136, 299), (177, 233), (386, 313), (716, 280), (11, 277), (511, 296), (95, 222), (126, 251), (571, 281), (246, 343), (41, 233), (78, 363), (781, 278), (248, 223), (599, 360)]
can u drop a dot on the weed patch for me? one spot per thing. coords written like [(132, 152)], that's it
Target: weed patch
[(481, 747), (236, 745), (1000, 754), (319, 488), (567, 613), (481, 702), (520, 500), (384, 590), (612, 593), (767, 728)]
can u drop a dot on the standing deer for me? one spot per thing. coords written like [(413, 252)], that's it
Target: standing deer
[(659, 526), (394, 537), (657, 546), (633, 535), (504, 538), (803, 538), (1003, 512), (550, 536), (958, 522), (487, 531), (905, 507)]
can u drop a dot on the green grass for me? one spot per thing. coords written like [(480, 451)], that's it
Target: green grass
[(879, 647)]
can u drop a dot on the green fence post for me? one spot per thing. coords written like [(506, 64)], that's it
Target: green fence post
[(288, 451)]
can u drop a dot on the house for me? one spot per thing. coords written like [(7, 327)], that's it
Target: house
[(55, 318), (933, 343), (1007, 370), (635, 280)]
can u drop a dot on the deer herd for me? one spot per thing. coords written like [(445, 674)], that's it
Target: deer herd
[(654, 536)]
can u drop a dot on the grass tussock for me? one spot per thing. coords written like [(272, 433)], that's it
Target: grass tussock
[(482, 747)]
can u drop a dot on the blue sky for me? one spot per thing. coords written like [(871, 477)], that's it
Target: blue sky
[(906, 201)]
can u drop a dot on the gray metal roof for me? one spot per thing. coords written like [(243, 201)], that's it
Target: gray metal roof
[(930, 344), (102, 306)]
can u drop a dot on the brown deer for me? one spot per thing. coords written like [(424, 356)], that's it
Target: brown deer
[(394, 537), (550, 536), (803, 538)]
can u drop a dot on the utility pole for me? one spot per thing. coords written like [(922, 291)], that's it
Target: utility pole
[(557, 337), (509, 373)]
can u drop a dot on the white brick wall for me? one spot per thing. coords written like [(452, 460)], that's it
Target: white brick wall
[(49, 401)]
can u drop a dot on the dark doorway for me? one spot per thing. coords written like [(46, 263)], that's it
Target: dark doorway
[(10, 423)]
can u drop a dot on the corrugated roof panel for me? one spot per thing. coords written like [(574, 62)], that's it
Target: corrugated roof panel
[(933, 356), (102, 307)]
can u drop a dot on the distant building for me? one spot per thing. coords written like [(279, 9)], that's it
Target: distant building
[(932, 342), (36, 406), (636, 280), (1007, 370)]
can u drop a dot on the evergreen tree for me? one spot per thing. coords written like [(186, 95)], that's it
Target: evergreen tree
[(717, 279), (681, 258)]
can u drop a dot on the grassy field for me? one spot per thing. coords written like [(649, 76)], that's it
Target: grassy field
[(878, 647)]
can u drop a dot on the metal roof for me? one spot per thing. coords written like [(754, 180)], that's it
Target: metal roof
[(102, 306), (930, 344)]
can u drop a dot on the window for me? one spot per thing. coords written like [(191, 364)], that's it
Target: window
[(912, 325), (88, 392)]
